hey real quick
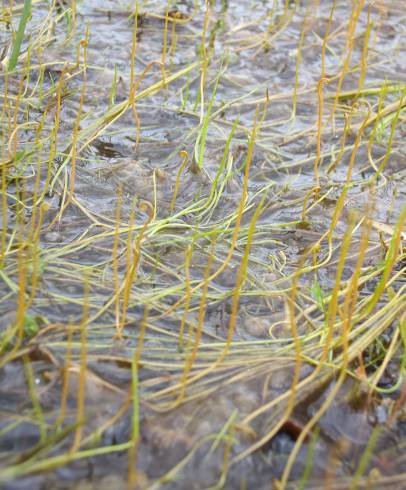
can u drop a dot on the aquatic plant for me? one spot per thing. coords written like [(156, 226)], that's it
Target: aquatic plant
[(202, 246)]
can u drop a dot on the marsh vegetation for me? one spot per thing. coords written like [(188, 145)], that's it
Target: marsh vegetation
[(202, 264)]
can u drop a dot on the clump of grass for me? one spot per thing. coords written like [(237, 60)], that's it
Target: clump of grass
[(240, 222)]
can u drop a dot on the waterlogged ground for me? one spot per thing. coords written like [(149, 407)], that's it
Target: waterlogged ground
[(202, 276)]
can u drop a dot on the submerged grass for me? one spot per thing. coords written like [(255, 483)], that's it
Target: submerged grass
[(191, 270)]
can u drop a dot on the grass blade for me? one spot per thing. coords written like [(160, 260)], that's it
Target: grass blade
[(26, 14)]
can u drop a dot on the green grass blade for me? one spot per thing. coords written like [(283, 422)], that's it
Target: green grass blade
[(26, 14)]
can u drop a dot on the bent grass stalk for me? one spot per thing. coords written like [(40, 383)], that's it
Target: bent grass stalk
[(204, 59), (215, 363), (356, 11), (184, 155), (164, 45), (241, 278), (306, 382), (392, 254), (135, 432), (319, 133), (101, 124), (237, 224), (226, 261), (115, 263), (191, 356), (331, 321), (81, 391), (172, 48), (68, 195), (128, 260), (201, 140), (188, 295), (364, 56), (298, 61), (133, 84), (349, 307), (392, 133), (325, 39)]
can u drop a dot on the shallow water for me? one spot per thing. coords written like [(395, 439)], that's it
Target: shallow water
[(193, 439)]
